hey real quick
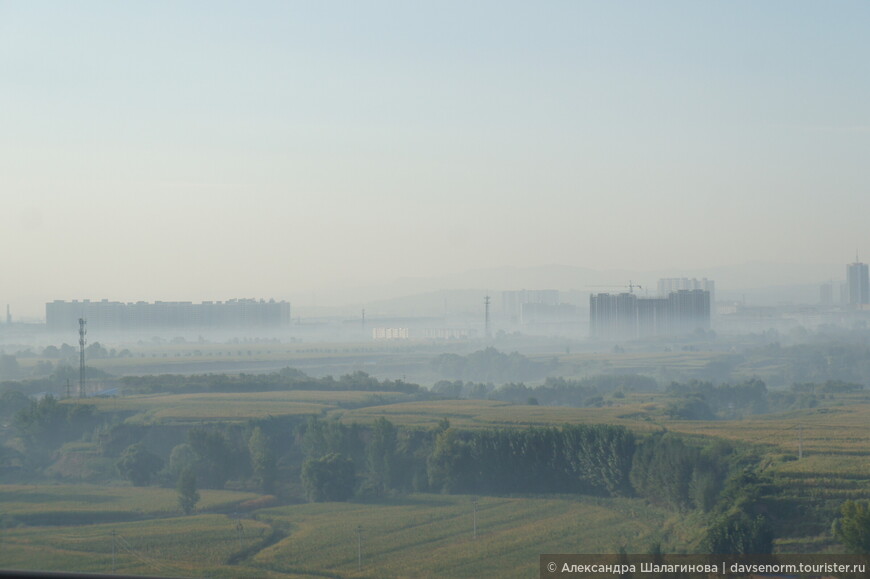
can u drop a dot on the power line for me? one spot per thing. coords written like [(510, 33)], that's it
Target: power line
[(142, 558)]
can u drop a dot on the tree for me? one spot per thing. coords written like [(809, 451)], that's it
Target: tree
[(262, 459), (11, 402), (693, 408), (188, 496), (67, 352), (381, 455), (47, 424), (216, 460), (181, 457), (853, 527), (9, 366), (138, 465), (51, 352), (10, 459), (449, 465), (330, 478), (740, 534), (95, 351)]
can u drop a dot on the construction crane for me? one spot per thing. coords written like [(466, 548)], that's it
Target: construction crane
[(631, 285)]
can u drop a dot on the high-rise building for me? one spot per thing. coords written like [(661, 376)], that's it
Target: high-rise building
[(512, 302), (626, 316), (689, 311), (613, 316), (826, 294), (117, 316), (858, 281), (673, 284)]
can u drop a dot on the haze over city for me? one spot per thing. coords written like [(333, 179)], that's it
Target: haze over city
[(434, 289), (204, 151)]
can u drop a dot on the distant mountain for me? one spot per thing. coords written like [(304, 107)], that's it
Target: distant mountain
[(762, 283), (564, 278)]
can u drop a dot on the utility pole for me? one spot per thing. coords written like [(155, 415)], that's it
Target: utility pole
[(359, 547), (800, 442), (486, 316), (82, 332), (474, 508), (239, 529)]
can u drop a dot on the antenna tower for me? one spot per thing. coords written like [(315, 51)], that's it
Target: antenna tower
[(486, 315), (82, 341)]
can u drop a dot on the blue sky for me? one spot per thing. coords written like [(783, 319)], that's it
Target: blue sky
[(206, 150)]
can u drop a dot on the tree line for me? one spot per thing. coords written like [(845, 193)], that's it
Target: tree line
[(555, 391), (700, 400), (327, 460), (715, 479), (284, 379)]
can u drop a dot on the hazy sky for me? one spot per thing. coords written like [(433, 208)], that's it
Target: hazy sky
[(210, 150)]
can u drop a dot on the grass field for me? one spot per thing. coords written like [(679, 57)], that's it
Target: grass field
[(194, 357), (834, 441), (235, 406), (495, 414), (432, 535), (46, 501), (179, 546), (643, 362), (415, 536), (421, 535), (837, 436)]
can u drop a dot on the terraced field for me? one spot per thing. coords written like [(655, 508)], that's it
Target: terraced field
[(70, 526), (63, 502), (643, 362), (433, 535), (186, 408), (818, 457), (418, 535), (194, 546), (495, 414)]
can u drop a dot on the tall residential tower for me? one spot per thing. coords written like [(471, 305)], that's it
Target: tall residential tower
[(858, 281)]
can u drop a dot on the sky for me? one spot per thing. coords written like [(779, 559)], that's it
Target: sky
[(211, 150)]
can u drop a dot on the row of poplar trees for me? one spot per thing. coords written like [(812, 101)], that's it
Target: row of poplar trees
[(601, 460)]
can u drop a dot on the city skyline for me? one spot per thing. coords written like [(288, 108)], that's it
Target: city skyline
[(773, 280), (381, 288), (205, 151), (137, 316)]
